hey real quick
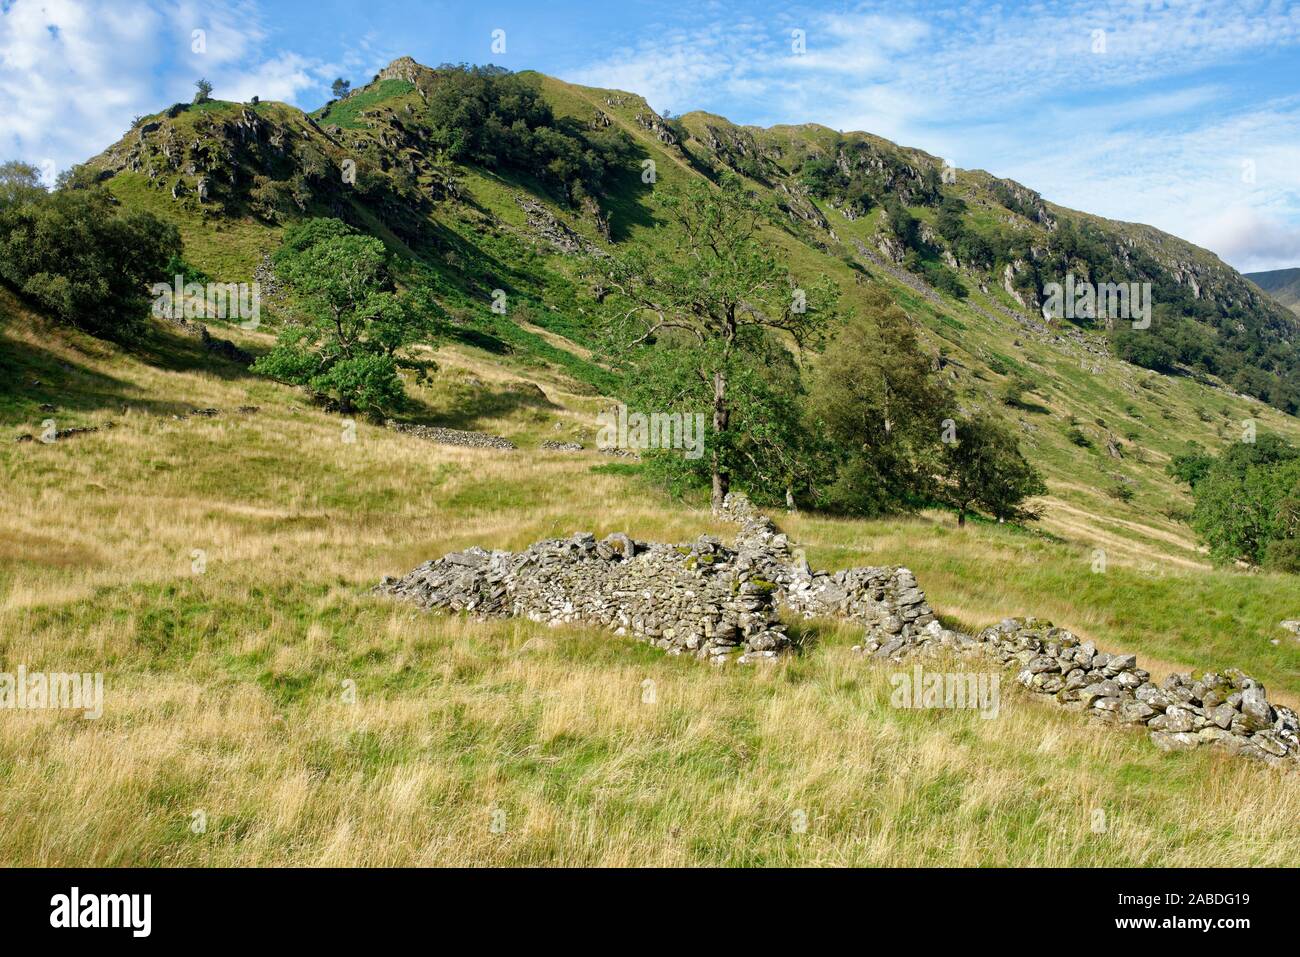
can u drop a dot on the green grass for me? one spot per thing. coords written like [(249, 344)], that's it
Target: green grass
[(346, 113), (225, 689)]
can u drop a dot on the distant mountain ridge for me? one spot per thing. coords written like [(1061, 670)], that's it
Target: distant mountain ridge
[(1282, 284), (579, 167)]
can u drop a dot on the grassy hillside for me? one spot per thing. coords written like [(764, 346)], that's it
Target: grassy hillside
[(218, 568), (1095, 425), (224, 689), (1282, 284)]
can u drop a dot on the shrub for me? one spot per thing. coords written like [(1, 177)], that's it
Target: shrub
[(75, 254), (1248, 503)]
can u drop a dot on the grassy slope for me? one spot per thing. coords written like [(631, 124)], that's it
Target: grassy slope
[(1282, 284), (224, 689)]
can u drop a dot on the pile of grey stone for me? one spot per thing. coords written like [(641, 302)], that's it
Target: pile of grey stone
[(700, 598), (477, 440), (67, 433), (1228, 710), (885, 599), (552, 445), (721, 603)]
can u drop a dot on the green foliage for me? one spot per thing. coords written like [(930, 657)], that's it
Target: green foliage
[(1248, 503), (1014, 391), (1120, 490), (202, 91), (862, 175), (880, 410), (708, 300), (943, 279), (985, 469), (347, 346), (495, 119), (77, 255), (764, 447), (1190, 466), (19, 183), (901, 222)]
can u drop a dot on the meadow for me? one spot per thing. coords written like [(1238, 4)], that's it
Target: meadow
[(263, 707)]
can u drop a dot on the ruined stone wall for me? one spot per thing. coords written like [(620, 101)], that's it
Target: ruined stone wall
[(1229, 711), (886, 600), (701, 598), (722, 604)]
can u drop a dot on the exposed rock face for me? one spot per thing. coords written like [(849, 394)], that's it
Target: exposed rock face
[(650, 120), (545, 225), (403, 68), (1229, 711)]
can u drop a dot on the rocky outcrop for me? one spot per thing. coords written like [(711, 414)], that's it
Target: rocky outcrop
[(544, 224), (652, 122)]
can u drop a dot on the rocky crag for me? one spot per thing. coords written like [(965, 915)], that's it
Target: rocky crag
[(723, 603)]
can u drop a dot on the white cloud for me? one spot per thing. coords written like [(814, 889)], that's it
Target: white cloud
[(1132, 133), (74, 73), (1252, 241)]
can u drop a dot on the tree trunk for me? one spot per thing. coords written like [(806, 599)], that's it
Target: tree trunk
[(961, 517), (721, 482)]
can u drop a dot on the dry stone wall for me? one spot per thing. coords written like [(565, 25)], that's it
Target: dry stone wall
[(473, 440), (1229, 711), (722, 604), (886, 600), (702, 598)]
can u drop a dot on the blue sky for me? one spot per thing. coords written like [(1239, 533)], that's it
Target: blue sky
[(1184, 115)]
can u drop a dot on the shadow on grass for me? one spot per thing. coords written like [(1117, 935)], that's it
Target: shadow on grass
[(474, 404), (47, 372)]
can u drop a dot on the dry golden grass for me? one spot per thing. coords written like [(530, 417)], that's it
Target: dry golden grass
[(225, 690)]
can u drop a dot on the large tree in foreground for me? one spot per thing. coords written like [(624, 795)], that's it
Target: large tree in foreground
[(879, 405), (714, 285)]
